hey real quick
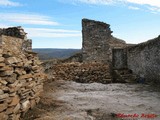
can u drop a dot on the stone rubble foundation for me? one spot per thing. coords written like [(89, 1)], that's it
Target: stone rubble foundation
[(80, 72)]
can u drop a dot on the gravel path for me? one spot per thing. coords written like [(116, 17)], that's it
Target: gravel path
[(68, 100)]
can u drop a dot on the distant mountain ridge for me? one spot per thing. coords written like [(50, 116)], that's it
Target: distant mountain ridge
[(52, 53)]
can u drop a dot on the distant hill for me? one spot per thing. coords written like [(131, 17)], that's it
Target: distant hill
[(51, 53)]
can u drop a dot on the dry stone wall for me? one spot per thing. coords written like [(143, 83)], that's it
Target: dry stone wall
[(21, 77), (81, 72)]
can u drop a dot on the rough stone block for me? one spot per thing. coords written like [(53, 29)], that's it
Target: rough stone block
[(1, 92), (15, 100), (28, 63), (3, 82), (6, 68), (3, 116), (3, 106), (25, 76), (12, 94), (25, 105), (4, 96), (6, 73), (19, 71), (17, 108), (11, 60), (2, 65), (1, 59), (11, 79), (10, 110)]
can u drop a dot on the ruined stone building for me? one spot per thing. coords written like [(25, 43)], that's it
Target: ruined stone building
[(21, 76), (100, 46)]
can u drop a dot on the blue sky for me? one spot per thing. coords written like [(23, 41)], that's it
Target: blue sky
[(57, 23)]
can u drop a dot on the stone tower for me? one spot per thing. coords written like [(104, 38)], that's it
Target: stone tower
[(98, 42), (96, 36)]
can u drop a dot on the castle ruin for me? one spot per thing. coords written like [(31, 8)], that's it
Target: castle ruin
[(100, 46)]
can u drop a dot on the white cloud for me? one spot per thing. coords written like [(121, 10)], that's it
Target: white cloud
[(9, 3), (154, 9), (3, 25), (27, 19), (133, 8), (96, 1), (52, 33), (155, 3), (151, 3), (53, 30)]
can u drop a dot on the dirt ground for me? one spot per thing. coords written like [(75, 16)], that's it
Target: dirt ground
[(68, 100)]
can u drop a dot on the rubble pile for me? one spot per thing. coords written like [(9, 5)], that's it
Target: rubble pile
[(82, 72), (21, 78)]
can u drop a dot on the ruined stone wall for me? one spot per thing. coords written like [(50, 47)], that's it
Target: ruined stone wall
[(21, 78), (119, 60), (98, 41), (144, 60), (18, 32)]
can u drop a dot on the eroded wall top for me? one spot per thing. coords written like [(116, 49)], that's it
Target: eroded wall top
[(21, 40)]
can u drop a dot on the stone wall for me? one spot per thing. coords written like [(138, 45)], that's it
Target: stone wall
[(144, 60), (21, 77), (98, 42), (119, 58), (100, 46)]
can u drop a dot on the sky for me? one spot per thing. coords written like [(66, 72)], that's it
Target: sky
[(57, 23)]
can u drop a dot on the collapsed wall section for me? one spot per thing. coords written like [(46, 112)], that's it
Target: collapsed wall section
[(21, 78), (144, 60)]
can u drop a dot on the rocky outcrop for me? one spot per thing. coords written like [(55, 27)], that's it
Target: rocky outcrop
[(21, 76)]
